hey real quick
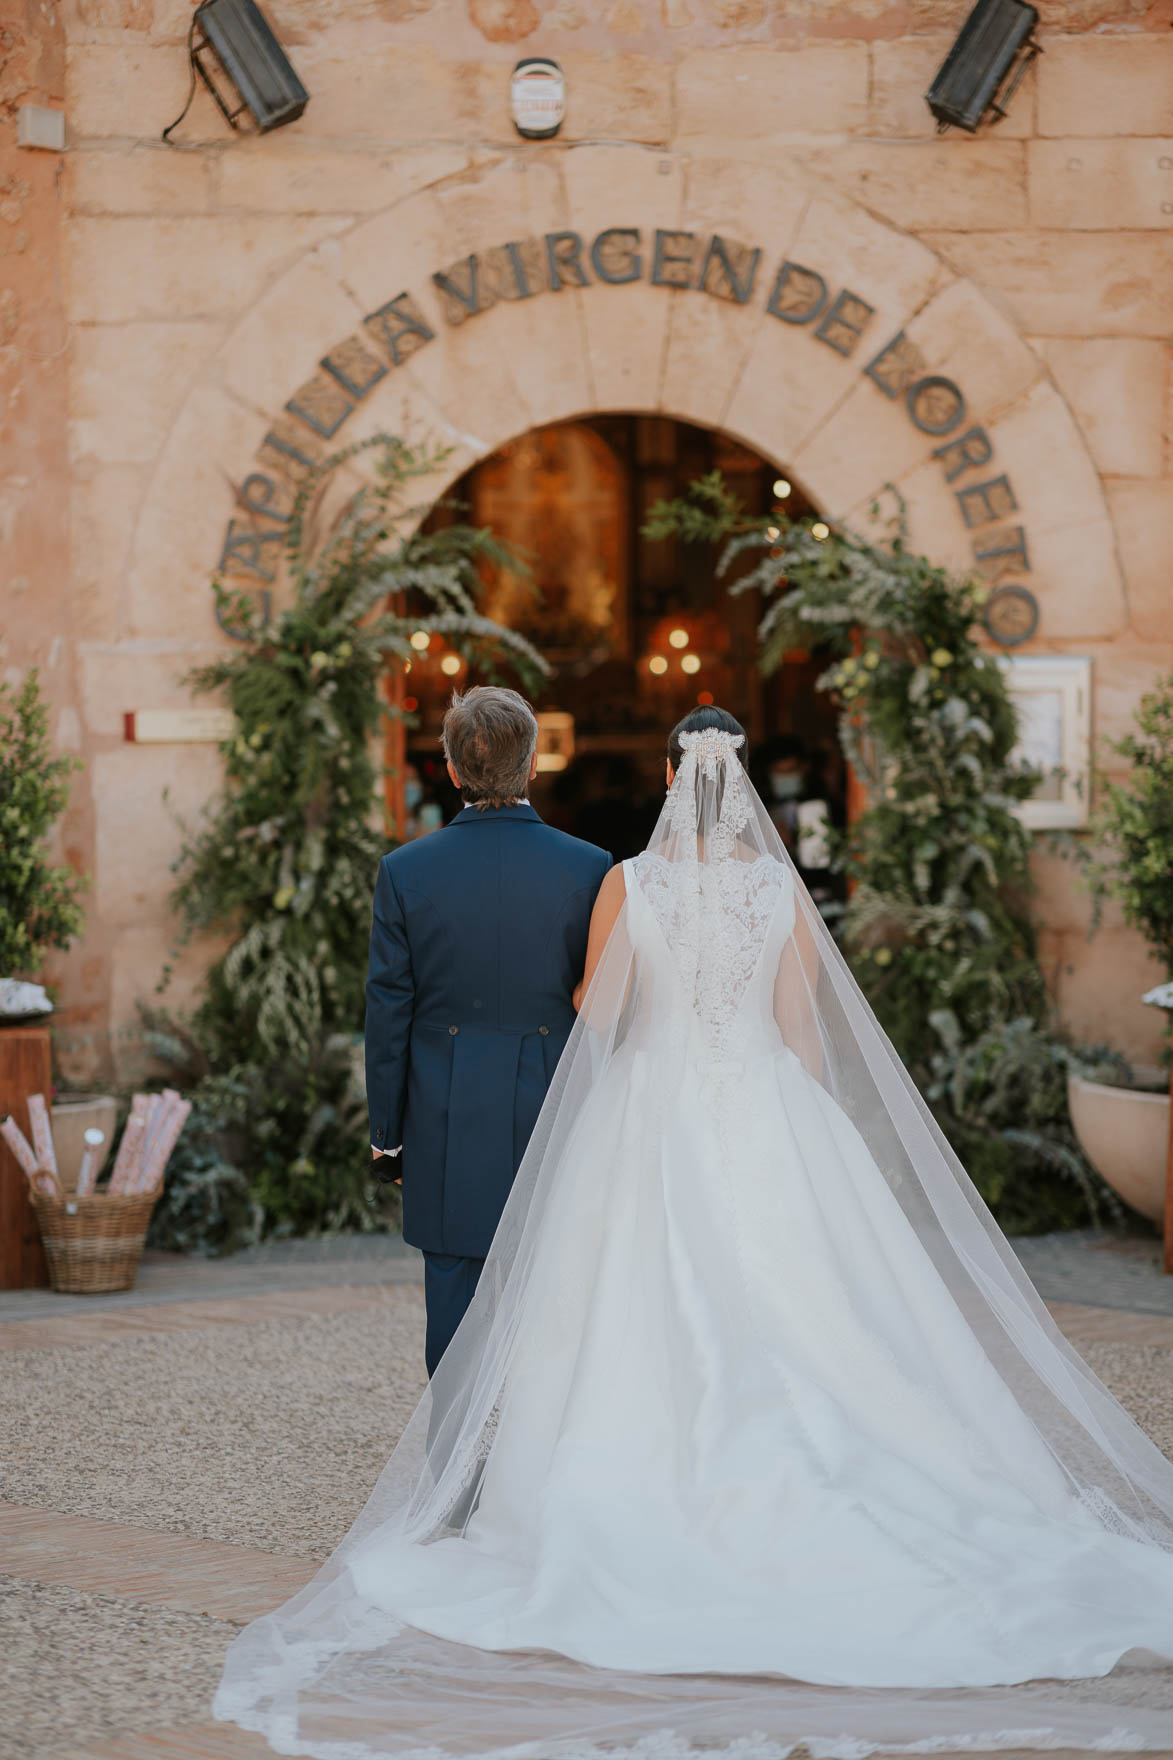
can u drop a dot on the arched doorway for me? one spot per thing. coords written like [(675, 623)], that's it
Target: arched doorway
[(639, 631)]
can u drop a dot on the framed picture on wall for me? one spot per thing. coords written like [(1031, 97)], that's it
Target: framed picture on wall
[(1053, 697)]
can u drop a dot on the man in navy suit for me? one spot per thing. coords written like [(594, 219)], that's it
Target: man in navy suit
[(478, 940)]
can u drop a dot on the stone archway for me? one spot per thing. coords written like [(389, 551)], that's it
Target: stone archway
[(617, 278), (819, 386)]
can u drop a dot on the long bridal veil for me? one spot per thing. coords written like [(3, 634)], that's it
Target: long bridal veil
[(341, 1673)]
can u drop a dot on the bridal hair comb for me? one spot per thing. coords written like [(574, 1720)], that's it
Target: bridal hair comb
[(709, 745), (711, 754)]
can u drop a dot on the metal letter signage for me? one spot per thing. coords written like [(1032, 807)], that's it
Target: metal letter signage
[(709, 263)]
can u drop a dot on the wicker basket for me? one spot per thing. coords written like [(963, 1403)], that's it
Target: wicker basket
[(93, 1243)]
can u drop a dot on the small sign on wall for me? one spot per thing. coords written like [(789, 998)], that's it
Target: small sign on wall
[(177, 726), (1053, 697), (537, 97)]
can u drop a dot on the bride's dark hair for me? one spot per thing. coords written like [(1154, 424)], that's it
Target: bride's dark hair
[(696, 721)]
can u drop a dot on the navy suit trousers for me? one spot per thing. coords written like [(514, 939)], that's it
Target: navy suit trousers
[(450, 1282)]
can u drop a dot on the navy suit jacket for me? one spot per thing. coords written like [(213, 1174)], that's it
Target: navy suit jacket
[(478, 940)]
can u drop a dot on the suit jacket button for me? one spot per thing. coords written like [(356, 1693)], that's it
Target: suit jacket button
[(454, 1029), (544, 1031)]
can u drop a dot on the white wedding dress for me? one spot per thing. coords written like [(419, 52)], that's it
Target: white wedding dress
[(756, 1434)]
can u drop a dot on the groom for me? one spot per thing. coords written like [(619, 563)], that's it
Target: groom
[(478, 940)]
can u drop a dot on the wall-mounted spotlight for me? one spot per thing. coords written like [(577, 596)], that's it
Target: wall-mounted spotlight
[(232, 42), (983, 69)]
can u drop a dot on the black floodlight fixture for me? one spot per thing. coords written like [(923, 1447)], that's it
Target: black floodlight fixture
[(983, 69), (234, 40)]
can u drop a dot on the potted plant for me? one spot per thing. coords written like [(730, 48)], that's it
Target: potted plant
[(39, 905), (1123, 1127), (39, 901)]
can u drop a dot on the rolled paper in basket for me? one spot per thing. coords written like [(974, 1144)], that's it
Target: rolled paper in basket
[(129, 1154), (44, 1181), (88, 1172), (42, 1132), (20, 1146), (158, 1107), (130, 1148), (165, 1140)]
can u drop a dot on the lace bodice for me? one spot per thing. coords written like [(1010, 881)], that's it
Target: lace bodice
[(722, 926)]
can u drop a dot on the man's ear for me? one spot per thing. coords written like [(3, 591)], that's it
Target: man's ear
[(454, 776), (533, 765)]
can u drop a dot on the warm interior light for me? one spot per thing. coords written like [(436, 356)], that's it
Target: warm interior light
[(411, 704), (690, 663), (820, 531), (705, 698), (772, 533), (450, 664), (421, 641), (657, 664), (678, 638), (781, 488)]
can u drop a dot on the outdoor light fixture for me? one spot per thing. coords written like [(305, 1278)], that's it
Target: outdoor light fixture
[(984, 67), (537, 97), (234, 38)]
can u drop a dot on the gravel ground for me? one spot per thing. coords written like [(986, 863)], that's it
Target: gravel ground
[(269, 1435), (1141, 1377), (73, 1663)]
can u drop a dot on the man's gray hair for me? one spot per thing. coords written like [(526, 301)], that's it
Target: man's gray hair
[(490, 737)]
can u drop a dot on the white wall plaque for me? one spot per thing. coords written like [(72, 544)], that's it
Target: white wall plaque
[(37, 126), (178, 726), (1053, 696)]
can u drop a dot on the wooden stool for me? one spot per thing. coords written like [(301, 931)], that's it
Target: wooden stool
[(25, 1069)]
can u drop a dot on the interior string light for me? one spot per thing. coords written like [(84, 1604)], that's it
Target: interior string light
[(690, 663), (421, 641), (450, 664), (820, 531), (678, 638), (657, 664), (782, 488)]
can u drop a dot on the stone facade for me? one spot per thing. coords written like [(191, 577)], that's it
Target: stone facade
[(167, 303)]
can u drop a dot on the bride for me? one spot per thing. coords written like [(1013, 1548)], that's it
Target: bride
[(755, 1433)]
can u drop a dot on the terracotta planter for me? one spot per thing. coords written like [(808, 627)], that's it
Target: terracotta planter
[(72, 1116), (1125, 1135)]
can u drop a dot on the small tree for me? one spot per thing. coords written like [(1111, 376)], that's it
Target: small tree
[(39, 906), (284, 862), (1130, 853)]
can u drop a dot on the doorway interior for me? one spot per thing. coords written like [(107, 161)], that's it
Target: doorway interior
[(638, 631)]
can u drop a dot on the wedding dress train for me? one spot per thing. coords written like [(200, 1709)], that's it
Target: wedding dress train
[(755, 1433)]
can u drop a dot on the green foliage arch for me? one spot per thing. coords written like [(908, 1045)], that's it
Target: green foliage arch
[(937, 926), (283, 862)]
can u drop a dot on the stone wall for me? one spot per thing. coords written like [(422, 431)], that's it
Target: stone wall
[(202, 282)]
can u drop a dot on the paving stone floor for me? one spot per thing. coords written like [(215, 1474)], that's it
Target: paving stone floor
[(176, 1459)]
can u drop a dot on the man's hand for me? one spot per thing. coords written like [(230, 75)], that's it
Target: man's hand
[(387, 1176)]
